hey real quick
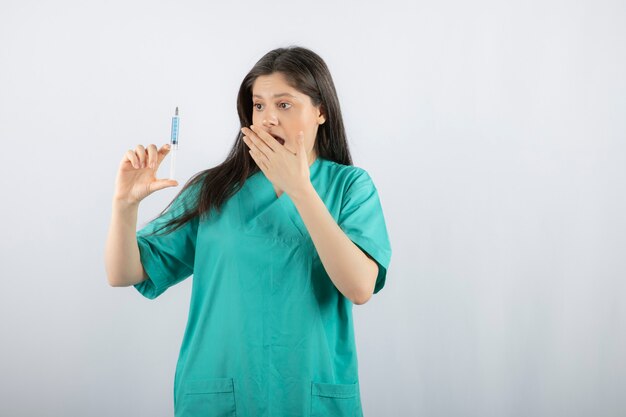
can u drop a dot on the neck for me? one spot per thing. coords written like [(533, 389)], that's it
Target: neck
[(312, 157)]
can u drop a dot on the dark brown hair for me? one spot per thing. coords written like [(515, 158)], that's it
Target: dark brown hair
[(306, 72)]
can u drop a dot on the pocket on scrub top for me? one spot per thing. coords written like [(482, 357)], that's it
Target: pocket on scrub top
[(337, 400), (208, 397)]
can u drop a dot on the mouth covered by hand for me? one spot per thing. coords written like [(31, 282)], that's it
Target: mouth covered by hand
[(278, 138)]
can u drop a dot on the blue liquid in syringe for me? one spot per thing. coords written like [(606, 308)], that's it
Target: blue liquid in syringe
[(174, 139)]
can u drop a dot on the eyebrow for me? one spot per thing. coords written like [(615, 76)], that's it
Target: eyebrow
[(277, 95)]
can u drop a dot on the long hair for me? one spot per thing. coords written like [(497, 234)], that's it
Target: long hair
[(305, 71)]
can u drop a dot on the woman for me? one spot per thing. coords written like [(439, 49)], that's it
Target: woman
[(282, 239)]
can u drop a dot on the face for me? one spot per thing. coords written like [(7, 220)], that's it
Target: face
[(283, 111)]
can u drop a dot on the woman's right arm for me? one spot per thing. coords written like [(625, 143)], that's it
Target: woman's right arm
[(122, 252), (135, 181)]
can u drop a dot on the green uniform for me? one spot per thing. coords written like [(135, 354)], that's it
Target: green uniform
[(268, 333)]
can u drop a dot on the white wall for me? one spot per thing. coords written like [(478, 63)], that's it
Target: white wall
[(494, 133)]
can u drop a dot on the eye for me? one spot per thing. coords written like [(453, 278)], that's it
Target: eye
[(286, 104), (255, 106)]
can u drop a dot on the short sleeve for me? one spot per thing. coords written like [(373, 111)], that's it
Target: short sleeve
[(168, 258), (361, 218)]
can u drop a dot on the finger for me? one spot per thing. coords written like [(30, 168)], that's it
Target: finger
[(269, 139), (165, 149), (161, 184), (252, 144), (152, 156), (141, 154), (132, 157), (301, 140), (257, 161), (301, 148), (260, 158), (265, 141)]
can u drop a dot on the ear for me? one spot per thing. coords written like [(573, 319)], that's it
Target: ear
[(321, 118)]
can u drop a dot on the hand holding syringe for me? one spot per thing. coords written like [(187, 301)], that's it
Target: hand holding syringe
[(136, 176)]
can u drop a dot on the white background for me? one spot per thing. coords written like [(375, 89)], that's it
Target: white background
[(494, 132)]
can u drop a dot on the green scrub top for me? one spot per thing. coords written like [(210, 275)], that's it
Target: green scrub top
[(268, 333)]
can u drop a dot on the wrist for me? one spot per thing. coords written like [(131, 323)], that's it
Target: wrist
[(303, 194), (122, 204)]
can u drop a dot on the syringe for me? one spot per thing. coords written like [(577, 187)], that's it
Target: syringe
[(173, 144)]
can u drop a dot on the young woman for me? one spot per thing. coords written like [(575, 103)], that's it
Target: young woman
[(282, 238)]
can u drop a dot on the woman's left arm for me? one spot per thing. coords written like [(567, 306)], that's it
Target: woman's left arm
[(351, 270)]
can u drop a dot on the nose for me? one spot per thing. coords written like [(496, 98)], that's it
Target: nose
[(270, 120)]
